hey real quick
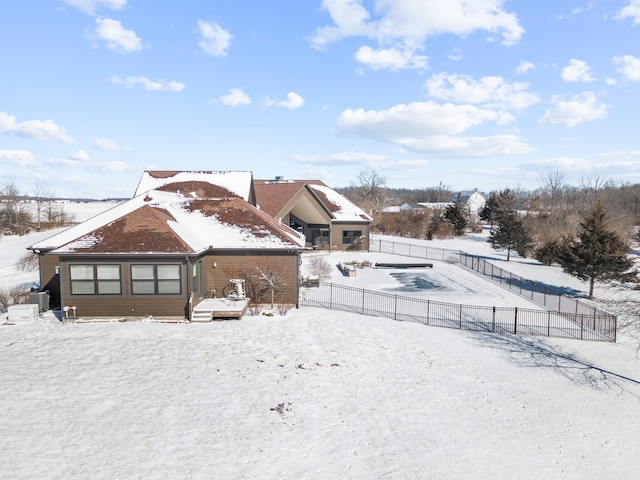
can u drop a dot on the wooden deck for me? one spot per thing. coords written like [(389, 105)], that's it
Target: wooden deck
[(219, 308)]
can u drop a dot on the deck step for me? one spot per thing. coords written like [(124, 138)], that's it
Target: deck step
[(201, 316)]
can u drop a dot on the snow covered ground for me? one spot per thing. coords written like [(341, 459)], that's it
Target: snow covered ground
[(315, 394)]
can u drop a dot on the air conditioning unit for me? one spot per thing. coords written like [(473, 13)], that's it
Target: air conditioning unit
[(41, 299), (22, 313)]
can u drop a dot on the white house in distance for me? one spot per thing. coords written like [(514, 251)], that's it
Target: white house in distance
[(473, 202)]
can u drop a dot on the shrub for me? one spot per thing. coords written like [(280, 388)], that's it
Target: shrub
[(320, 267)]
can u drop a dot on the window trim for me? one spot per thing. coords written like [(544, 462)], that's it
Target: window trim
[(155, 279), (95, 281), (350, 235)]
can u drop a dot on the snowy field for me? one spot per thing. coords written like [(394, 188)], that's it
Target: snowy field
[(316, 394)]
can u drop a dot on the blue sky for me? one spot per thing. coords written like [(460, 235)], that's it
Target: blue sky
[(486, 95)]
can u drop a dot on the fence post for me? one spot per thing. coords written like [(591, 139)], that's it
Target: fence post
[(581, 326), (549, 324), (460, 316), (428, 304), (493, 321), (363, 293), (395, 309), (515, 322), (331, 296), (559, 303)]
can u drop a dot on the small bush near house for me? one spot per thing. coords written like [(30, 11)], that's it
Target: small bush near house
[(284, 308), (319, 267)]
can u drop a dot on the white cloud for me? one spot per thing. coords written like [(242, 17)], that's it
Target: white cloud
[(524, 67), (390, 58), (404, 25), (116, 166), (581, 108), (429, 127), (149, 85), (81, 163), (214, 40), (629, 66), (491, 91), (235, 98), (293, 101), (577, 71), (90, 6), (117, 37), (107, 145), (455, 55), (342, 158), (21, 158), (350, 19), (632, 11), (402, 164), (80, 156), (38, 129)]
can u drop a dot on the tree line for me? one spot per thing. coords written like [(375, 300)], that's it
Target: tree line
[(21, 213)]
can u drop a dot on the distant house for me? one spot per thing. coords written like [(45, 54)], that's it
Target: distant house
[(177, 242), (326, 218), (474, 202), (405, 207)]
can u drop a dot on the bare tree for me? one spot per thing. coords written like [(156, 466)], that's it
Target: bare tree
[(554, 183), (591, 188), (40, 195), (29, 262), (371, 190), (14, 214)]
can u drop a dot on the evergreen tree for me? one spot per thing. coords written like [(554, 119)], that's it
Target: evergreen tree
[(598, 254), (503, 203), (510, 232), (455, 214)]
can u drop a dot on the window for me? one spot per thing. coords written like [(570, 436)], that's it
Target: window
[(155, 280), (350, 237), (194, 276), (95, 279)]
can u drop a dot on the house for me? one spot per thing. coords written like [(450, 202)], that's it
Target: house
[(405, 207), (473, 202), (327, 219), (179, 241)]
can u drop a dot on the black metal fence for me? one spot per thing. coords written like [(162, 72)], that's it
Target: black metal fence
[(535, 291), (514, 320)]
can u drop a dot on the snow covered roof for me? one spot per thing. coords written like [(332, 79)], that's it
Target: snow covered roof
[(342, 209), (226, 184), (170, 222), (273, 195)]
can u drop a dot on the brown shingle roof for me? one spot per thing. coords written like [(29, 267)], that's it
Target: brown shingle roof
[(140, 231), (197, 189), (272, 196), (236, 212)]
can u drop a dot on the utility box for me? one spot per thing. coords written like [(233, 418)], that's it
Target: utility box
[(41, 299), (23, 313)]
